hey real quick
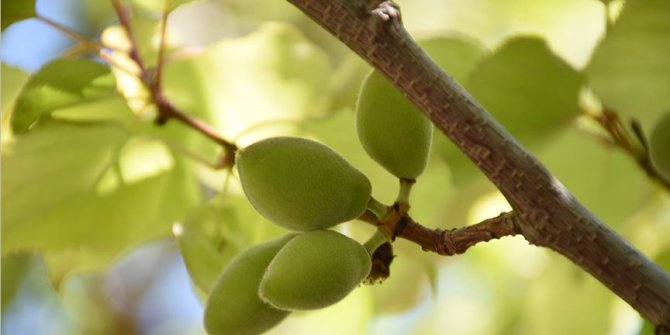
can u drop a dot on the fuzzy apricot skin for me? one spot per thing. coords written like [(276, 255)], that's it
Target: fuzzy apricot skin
[(314, 270), (301, 184)]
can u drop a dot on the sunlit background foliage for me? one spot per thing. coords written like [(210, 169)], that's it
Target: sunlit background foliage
[(111, 225)]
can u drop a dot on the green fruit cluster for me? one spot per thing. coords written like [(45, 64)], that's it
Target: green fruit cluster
[(262, 285), (391, 129), (233, 306), (301, 184)]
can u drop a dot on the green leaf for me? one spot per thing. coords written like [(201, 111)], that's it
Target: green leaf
[(527, 88), (607, 182), (563, 292), (89, 186), (215, 232), (456, 55), (273, 74), (16, 10), (59, 84), (630, 68), (13, 80)]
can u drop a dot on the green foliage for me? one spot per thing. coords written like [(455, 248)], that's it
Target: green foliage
[(233, 306), (222, 84), (392, 130), (630, 70), (459, 56), (61, 84), (13, 80), (314, 270), (16, 10), (531, 91), (598, 184), (301, 184), (85, 178), (212, 234), (89, 187)]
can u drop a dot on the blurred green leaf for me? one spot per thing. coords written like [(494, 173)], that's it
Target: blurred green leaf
[(458, 56), (272, 75), (607, 181), (13, 80), (214, 233), (527, 88), (564, 292), (16, 10), (30, 304), (62, 83), (408, 283), (89, 186), (14, 269), (630, 69)]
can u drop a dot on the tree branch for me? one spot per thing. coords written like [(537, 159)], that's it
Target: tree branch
[(152, 81), (547, 214)]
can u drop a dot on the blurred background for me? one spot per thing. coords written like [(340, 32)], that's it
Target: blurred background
[(132, 246)]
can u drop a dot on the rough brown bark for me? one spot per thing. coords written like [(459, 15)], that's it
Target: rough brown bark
[(548, 214)]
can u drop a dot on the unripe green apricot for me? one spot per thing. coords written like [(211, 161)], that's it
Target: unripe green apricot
[(314, 270), (391, 129), (233, 306), (301, 184), (659, 146)]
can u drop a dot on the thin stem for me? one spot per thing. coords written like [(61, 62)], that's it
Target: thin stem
[(166, 110), (161, 47), (376, 240), (404, 191), (170, 111), (90, 44), (377, 208), (124, 20), (458, 240), (621, 137), (71, 33)]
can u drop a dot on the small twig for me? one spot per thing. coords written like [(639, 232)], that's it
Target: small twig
[(620, 136), (161, 48), (152, 81), (90, 44), (168, 111), (124, 20), (448, 242), (458, 240)]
